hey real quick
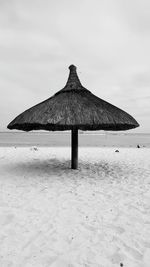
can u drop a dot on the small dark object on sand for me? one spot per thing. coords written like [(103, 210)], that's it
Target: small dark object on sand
[(121, 264), (138, 146), (34, 148), (117, 150)]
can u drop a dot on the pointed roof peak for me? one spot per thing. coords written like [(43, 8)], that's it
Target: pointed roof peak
[(72, 67), (73, 79), (73, 82)]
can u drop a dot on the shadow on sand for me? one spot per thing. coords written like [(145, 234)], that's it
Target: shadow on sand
[(55, 167)]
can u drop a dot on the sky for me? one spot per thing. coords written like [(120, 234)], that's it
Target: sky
[(107, 40)]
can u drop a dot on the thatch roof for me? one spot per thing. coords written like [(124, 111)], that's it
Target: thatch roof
[(73, 106)]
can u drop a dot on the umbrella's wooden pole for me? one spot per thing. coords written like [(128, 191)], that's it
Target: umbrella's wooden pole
[(74, 147)]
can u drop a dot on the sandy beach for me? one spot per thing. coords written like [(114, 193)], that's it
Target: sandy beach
[(97, 216)]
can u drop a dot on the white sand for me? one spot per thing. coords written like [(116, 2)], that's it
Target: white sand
[(97, 216)]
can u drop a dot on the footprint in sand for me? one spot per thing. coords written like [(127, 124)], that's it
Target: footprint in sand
[(133, 252), (146, 244), (118, 229), (146, 258), (117, 258), (61, 263), (6, 219)]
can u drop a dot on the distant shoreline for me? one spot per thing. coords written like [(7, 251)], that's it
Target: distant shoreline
[(57, 139), (80, 132)]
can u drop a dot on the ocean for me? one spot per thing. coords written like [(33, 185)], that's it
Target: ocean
[(64, 139)]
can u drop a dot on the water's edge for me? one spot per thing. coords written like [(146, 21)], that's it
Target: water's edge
[(64, 139)]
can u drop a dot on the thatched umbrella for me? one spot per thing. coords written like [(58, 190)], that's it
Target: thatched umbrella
[(72, 108)]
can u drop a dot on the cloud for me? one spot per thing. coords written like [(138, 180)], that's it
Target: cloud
[(136, 14), (108, 41)]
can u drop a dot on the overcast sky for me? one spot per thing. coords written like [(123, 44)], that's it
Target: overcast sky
[(108, 41)]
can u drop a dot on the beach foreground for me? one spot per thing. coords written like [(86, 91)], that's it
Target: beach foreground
[(97, 216)]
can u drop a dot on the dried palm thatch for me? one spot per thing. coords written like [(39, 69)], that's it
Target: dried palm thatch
[(72, 108)]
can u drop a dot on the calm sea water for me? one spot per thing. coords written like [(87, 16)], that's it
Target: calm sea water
[(64, 139)]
